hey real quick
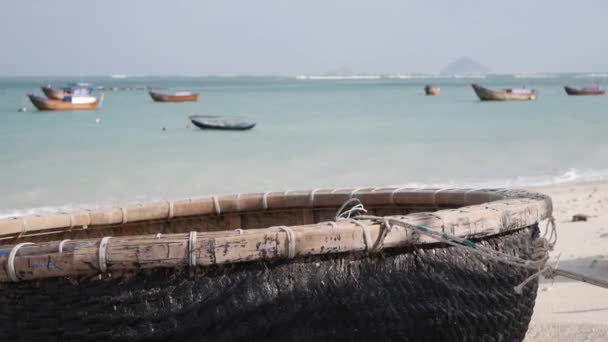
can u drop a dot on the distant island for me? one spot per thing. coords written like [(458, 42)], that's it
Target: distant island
[(464, 66)]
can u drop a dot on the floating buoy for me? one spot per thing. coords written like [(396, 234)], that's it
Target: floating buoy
[(97, 120), (22, 109)]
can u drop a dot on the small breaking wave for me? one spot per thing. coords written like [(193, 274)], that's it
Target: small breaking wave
[(534, 75), (338, 77), (571, 176), (593, 75)]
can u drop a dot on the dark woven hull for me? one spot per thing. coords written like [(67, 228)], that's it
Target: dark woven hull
[(436, 293)]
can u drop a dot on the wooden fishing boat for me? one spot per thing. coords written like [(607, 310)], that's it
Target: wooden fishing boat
[(225, 124), (431, 91), (53, 93), (584, 91), (511, 94), (184, 96), (326, 264), (73, 89), (67, 104)]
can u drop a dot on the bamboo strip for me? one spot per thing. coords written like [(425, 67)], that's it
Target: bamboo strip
[(135, 253), (324, 198)]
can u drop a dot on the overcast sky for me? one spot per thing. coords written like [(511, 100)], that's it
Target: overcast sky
[(288, 37)]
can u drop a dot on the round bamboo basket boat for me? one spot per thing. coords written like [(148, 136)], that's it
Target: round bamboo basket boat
[(278, 265)]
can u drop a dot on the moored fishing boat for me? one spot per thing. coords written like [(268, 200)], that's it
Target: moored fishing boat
[(53, 93), (431, 91), (367, 264), (73, 89), (511, 94), (67, 104), (584, 91), (219, 123), (183, 96)]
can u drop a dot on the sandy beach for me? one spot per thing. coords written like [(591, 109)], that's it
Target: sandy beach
[(567, 310)]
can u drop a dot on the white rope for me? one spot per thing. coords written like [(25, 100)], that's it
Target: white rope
[(71, 217), (358, 207), (10, 262), (435, 196), (103, 248), (367, 238), (125, 215), (265, 200), (61, 245), (311, 199), (240, 231), (192, 249), (216, 205), (552, 239), (238, 202), (336, 190), (23, 227), (332, 224), (291, 241), (386, 228), (85, 226), (171, 209), (158, 235), (490, 253), (352, 193), (538, 264), (392, 199)]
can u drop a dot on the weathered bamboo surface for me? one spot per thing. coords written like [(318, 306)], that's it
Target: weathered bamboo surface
[(470, 213), (18, 227)]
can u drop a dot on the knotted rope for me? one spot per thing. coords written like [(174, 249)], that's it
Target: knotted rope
[(537, 262)]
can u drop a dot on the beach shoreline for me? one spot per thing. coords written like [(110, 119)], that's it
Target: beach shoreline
[(567, 310)]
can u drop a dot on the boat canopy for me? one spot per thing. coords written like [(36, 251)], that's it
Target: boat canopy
[(79, 89), (520, 91)]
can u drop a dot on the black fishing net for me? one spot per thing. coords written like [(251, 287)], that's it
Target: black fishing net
[(435, 293)]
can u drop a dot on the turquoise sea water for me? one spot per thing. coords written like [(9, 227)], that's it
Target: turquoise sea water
[(310, 134)]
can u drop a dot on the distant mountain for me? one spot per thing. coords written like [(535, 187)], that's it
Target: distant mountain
[(465, 66)]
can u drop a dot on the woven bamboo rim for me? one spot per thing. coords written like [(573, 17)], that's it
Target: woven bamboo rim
[(480, 212)]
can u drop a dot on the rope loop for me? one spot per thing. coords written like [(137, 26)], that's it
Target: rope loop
[(103, 257), (311, 198), (291, 241), (238, 202), (60, 249), (10, 261), (24, 227), (192, 249), (125, 215), (552, 239), (352, 193), (216, 205), (354, 210), (386, 228), (265, 201), (367, 238), (171, 210), (435, 195), (392, 198)]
